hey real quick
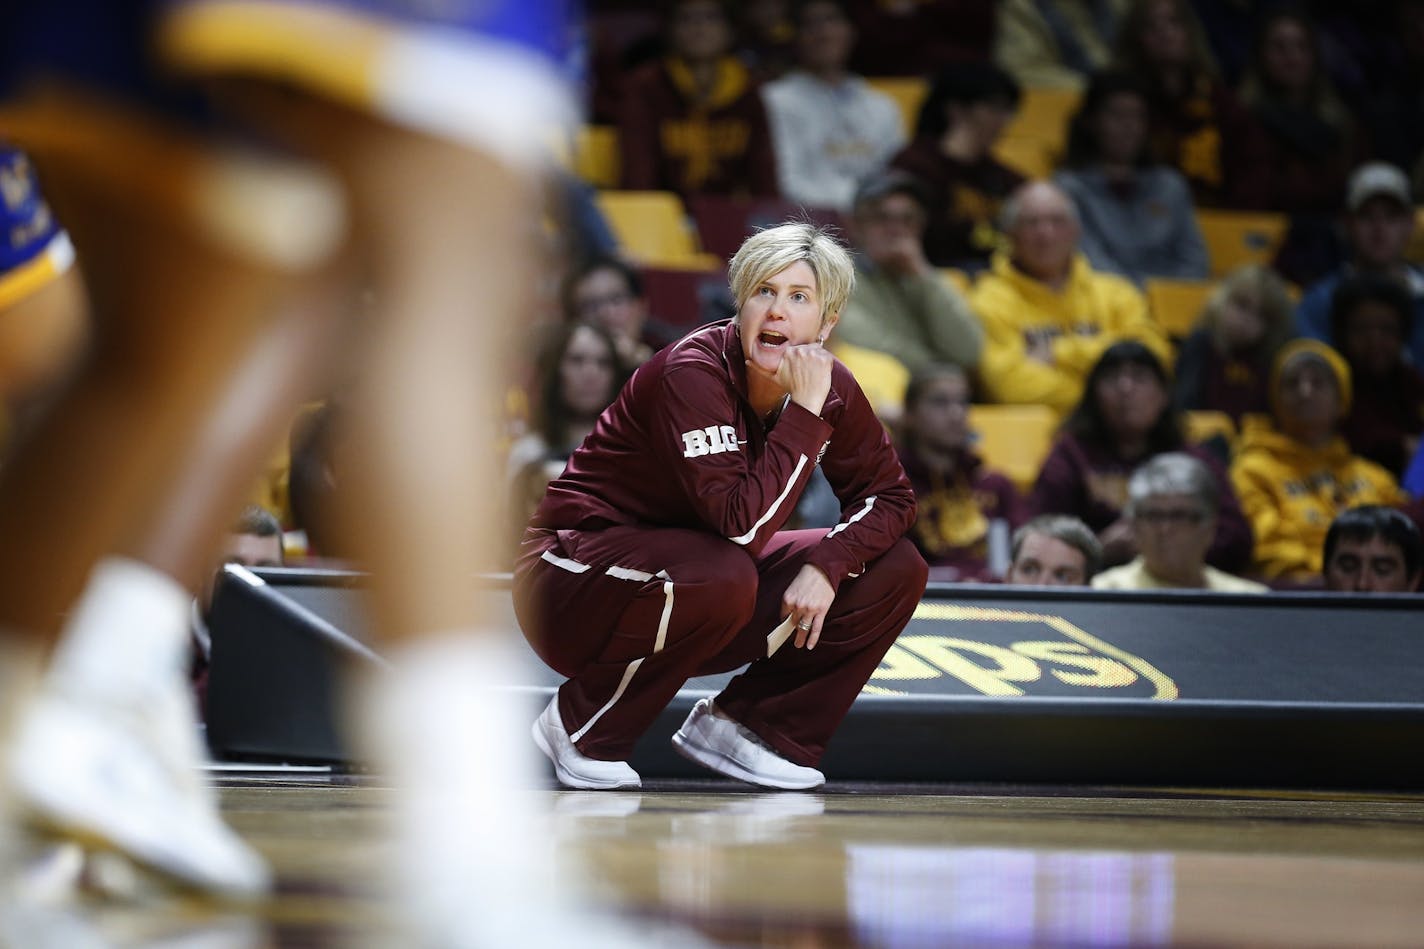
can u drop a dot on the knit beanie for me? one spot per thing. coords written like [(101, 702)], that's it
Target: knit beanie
[(1331, 358)]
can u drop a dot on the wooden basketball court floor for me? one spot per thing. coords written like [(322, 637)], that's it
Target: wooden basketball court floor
[(870, 865)]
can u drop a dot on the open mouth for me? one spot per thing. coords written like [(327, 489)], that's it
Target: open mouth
[(771, 339)]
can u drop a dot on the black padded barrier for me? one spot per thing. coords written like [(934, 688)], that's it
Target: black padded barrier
[(987, 683)]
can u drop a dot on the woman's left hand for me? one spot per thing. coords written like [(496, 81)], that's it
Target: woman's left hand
[(806, 601)]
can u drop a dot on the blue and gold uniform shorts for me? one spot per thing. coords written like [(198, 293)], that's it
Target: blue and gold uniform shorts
[(497, 75), (34, 249)]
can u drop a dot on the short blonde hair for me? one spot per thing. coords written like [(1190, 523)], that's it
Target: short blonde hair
[(767, 253)]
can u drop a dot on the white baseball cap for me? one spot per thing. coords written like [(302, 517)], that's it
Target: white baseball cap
[(1377, 179)]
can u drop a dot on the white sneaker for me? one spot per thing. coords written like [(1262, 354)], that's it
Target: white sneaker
[(573, 769), (118, 778), (732, 749)]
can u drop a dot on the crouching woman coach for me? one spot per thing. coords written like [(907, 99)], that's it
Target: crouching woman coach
[(659, 554)]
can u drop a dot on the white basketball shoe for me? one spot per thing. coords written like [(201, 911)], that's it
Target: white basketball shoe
[(572, 767), (730, 748)]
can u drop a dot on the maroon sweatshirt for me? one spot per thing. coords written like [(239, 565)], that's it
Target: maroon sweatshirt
[(669, 142), (682, 446)]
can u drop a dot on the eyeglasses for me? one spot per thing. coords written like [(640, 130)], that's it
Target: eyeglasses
[(1178, 515)]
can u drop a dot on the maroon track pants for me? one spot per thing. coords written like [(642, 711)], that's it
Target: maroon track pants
[(629, 614)]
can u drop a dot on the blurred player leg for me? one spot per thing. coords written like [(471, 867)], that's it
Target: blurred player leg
[(439, 227), (198, 350)]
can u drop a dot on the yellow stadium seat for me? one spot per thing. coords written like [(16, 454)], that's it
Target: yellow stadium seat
[(1202, 425), (1044, 113), (1236, 238), (1035, 140), (1176, 304), (881, 377), (908, 93), (1014, 439), (653, 229), (1030, 156), (596, 155)]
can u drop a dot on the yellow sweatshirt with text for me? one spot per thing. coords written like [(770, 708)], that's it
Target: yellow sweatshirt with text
[(1089, 313), (1290, 493)]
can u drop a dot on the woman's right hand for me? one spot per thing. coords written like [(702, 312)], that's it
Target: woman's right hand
[(805, 372)]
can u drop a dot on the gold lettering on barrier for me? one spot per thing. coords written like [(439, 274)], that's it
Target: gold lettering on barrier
[(1101, 672), (948, 654), (1082, 659)]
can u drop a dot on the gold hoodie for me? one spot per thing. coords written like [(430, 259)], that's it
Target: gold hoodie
[(1091, 312), (1290, 493)]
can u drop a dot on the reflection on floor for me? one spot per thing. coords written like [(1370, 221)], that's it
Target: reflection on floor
[(863, 865)]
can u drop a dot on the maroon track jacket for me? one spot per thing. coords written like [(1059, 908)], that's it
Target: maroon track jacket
[(682, 446)]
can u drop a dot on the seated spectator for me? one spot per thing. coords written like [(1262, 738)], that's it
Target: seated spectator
[(1172, 505), (1047, 314), (254, 540), (962, 117), (1123, 420), (579, 374), (1056, 44), (1379, 222), (1373, 549), (1197, 125), (1370, 317), (901, 305), (962, 505), (1311, 140), (693, 122), (1137, 215), (1294, 476), (608, 292), (830, 129), (1054, 550), (1225, 364), (916, 37)]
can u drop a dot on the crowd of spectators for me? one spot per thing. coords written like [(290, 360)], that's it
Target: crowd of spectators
[(982, 281)]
